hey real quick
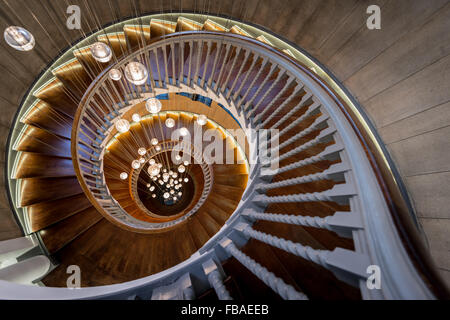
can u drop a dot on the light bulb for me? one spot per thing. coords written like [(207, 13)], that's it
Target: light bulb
[(177, 157), (123, 175), (184, 132), (175, 175), (180, 194), (142, 151), (175, 198), (136, 117), (159, 165), (136, 164), (186, 180), (136, 73), (172, 191), (168, 186), (148, 185), (141, 160), (186, 163), (153, 105), (152, 162), (181, 169), (170, 123), (201, 120), (153, 195), (180, 179), (122, 125), (164, 170), (161, 182), (175, 182), (101, 52), (165, 175), (152, 188), (166, 195), (153, 170), (158, 148), (115, 74), (19, 38), (154, 141)]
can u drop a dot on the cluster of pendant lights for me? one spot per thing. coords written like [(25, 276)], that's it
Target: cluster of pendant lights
[(166, 180)]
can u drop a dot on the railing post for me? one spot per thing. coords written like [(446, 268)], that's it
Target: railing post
[(215, 279)]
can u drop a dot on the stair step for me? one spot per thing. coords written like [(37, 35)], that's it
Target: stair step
[(44, 214), (62, 233), (38, 190)]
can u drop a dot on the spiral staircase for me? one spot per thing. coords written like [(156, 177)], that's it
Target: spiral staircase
[(308, 229)]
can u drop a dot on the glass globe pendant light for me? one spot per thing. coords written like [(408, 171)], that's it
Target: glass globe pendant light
[(166, 195), (152, 162), (181, 169), (122, 125), (115, 74), (186, 180), (136, 73), (153, 196), (158, 148), (123, 175), (19, 38), (201, 120), (153, 105), (170, 123), (136, 164), (154, 141), (142, 151), (101, 52), (136, 117), (153, 170)]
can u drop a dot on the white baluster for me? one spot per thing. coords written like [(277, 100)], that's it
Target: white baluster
[(346, 265), (276, 284), (215, 279), (339, 193)]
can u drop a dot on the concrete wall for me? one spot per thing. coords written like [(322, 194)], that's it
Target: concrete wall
[(400, 75)]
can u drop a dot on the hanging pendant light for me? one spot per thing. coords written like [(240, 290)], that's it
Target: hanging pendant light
[(153, 196), (115, 74), (153, 105), (186, 180), (152, 162), (19, 38), (136, 117), (122, 125), (166, 195), (101, 52), (201, 120), (136, 164), (123, 175), (136, 73), (181, 169), (141, 160), (186, 163), (158, 148), (153, 170), (170, 123), (154, 141), (142, 151)]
